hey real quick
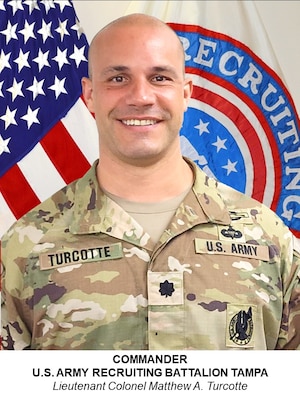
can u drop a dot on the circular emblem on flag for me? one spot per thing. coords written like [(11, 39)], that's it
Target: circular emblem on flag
[(241, 126)]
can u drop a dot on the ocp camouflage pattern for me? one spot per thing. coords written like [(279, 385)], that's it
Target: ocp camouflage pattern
[(80, 273)]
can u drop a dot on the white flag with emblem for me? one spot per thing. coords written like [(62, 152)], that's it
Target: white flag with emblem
[(241, 125)]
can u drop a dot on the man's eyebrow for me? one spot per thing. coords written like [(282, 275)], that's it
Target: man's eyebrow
[(164, 68), (156, 69), (114, 68)]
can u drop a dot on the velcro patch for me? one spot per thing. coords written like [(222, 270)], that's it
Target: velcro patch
[(240, 325), (248, 250), (80, 255), (165, 288)]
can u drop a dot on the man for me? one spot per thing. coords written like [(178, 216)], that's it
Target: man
[(145, 251)]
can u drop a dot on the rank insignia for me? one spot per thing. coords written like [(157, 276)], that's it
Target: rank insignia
[(166, 288)]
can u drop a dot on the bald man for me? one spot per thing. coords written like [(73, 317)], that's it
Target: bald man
[(145, 251)]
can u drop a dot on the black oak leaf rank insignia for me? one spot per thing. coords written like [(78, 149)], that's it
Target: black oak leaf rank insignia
[(166, 288)]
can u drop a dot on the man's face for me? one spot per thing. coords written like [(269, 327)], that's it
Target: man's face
[(137, 92)]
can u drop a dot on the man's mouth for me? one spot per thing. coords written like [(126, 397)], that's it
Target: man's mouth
[(139, 122)]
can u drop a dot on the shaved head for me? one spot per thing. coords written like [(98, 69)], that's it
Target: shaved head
[(128, 21), (137, 89)]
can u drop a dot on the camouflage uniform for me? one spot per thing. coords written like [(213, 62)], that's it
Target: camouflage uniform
[(80, 273)]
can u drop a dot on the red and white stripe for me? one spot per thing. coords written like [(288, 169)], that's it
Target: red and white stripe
[(63, 155)]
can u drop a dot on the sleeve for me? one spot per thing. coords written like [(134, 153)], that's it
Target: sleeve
[(15, 334), (290, 324)]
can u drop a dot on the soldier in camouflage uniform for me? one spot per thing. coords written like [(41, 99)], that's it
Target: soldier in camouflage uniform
[(145, 251)]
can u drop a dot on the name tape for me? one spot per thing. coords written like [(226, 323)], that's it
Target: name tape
[(77, 256), (249, 250)]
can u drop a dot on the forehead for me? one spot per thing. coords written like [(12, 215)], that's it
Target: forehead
[(137, 43)]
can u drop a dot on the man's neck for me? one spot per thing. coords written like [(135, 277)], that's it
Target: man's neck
[(156, 182)]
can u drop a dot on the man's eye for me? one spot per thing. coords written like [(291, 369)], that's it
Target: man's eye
[(160, 78), (118, 79)]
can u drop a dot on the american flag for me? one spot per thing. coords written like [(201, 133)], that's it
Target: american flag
[(43, 56)]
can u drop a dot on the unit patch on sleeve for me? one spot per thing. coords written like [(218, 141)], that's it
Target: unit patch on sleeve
[(63, 258), (240, 325)]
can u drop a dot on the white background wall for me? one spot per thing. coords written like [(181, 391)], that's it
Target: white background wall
[(280, 18)]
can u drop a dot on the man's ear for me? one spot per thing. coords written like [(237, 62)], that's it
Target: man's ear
[(87, 91), (188, 89)]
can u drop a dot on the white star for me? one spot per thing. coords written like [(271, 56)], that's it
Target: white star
[(22, 60), (62, 29), (2, 7), (27, 32), (36, 88), (1, 93), (61, 58), (10, 32), (77, 27), (16, 5), (58, 87), (9, 117), (45, 31), (220, 144), (32, 5), (31, 117), (4, 145), (4, 60), (48, 4), (230, 167), (78, 55), (62, 4), (16, 89), (202, 127), (42, 60)]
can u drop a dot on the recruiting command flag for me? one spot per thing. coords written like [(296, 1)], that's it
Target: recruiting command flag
[(241, 125)]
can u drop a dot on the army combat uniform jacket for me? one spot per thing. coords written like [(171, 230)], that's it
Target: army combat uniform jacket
[(80, 273)]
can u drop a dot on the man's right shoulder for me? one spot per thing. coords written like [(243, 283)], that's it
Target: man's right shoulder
[(57, 206), (46, 214)]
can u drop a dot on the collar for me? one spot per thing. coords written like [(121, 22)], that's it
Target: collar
[(94, 212)]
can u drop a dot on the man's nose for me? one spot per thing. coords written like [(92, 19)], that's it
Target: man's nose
[(141, 93)]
